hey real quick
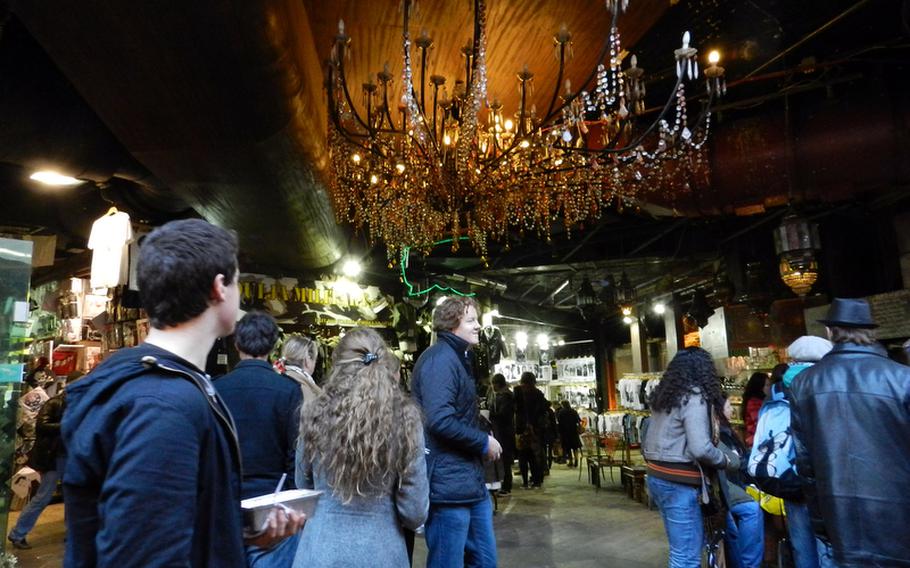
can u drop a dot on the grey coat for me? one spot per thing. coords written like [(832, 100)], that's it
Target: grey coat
[(683, 435), (368, 530)]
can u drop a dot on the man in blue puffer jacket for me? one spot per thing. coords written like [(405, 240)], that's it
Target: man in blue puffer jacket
[(459, 528)]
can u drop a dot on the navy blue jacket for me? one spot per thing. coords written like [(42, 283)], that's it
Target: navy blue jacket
[(445, 390), (265, 407), (153, 467)]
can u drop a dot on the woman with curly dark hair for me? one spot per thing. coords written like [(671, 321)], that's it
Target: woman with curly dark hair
[(680, 445)]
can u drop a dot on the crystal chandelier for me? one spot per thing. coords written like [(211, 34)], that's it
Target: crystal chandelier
[(453, 163)]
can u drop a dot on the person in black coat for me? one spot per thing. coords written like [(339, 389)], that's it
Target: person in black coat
[(48, 457), (502, 414), (569, 423), (531, 424), (265, 406), (850, 418)]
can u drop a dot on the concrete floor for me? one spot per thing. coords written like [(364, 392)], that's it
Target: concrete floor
[(567, 524)]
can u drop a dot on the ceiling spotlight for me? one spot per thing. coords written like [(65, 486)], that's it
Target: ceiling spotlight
[(627, 320), (659, 308), (48, 177), (351, 268), (543, 341)]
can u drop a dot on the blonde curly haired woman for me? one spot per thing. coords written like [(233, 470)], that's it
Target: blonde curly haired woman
[(361, 442), (299, 354)]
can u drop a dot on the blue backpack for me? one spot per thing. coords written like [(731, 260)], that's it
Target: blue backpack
[(772, 462)]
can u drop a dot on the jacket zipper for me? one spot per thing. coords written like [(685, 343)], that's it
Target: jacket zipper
[(212, 398)]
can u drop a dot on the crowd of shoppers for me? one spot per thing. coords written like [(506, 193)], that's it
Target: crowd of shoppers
[(149, 433)]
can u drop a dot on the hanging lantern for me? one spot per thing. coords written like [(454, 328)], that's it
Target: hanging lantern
[(796, 242), (586, 295), (608, 292), (625, 295), (699, 310)]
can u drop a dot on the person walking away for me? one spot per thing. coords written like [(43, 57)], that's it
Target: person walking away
[(48, 457), (299, 354), (753, 397), (569, 427), (502, 414), (530, 426), (459, 528), (551, 435), (680, 450), (745, 533), (361, 443), (851, 415), (152, 473), (265, 407)]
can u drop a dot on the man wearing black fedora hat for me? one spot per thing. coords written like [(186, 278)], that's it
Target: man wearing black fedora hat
[(851, 418)]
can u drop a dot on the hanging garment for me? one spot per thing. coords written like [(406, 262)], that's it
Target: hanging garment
[(111, 235)]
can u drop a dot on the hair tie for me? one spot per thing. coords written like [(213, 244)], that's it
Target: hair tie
[(369, 358)]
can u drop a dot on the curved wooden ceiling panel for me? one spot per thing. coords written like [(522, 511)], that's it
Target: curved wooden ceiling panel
[(519, 33)]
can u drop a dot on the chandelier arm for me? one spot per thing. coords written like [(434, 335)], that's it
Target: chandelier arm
[(603, 54), (637, 141), (562, 67), (347, 95)]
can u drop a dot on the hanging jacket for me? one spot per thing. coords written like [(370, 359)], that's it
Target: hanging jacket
[(153, 467)]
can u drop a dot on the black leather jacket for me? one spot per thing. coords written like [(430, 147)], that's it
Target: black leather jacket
[(851, 422)]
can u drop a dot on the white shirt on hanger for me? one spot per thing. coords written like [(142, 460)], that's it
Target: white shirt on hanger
[(111, 235)]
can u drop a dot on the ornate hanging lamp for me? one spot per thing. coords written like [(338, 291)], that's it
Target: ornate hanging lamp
[(796, 242)]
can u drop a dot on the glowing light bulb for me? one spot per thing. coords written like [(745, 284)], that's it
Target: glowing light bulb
[(627, 320), (351, 268), (714, 57), (660, 308), (524, 144), (627, 311), (509, 124), (48, 177), (400, 168), (356, 158), (374, 179), (447, 140)]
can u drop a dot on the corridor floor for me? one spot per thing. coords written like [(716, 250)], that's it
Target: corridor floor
[(567, 524)]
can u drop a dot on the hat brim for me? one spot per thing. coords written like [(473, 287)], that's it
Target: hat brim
[(833, 323)]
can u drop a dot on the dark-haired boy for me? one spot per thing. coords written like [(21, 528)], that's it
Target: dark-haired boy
[(153, 468), (265, 406)]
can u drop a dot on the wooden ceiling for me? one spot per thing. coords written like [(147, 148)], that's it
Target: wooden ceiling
[(519, 33)]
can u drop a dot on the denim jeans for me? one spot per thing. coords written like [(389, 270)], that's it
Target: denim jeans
[(681, 513), (279, 556), (461, 535), (745, 535), (42, 499), (802, 539)]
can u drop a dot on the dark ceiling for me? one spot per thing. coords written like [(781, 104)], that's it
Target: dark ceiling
[(216, 109)]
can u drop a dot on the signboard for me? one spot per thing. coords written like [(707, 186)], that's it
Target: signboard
[(338, 302)]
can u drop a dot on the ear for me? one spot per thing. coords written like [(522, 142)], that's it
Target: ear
[(219, 289)]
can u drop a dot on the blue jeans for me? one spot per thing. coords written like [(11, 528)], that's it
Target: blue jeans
[(681, 513), (279, 556), (745, 535), (42, 499), (461, 535), (802, 539)]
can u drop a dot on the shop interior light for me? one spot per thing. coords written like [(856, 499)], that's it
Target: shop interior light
[(352, 268), (49, 177), (521, 340), (660, 308)]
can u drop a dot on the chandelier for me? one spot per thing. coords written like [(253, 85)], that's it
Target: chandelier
[(454, 163)]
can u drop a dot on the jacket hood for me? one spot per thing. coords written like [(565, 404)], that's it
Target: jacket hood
[(795, 369), (100, 384)]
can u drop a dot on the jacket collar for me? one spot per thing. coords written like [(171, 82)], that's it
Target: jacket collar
[(254, 363), (458, 344), (845, 348)]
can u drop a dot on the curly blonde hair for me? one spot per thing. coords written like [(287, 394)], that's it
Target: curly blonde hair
[(362, 432)]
